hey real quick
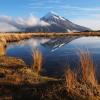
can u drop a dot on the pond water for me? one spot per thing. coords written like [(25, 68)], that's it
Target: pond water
[(58, 53)]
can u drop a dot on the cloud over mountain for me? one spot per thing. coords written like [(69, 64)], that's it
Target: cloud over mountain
[(51, 22), (5, 27), (9, 24)]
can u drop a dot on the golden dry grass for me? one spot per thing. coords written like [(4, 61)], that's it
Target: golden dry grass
[(2, 49), (37, 65), (70, 79), (9, 37), (87, 67), (87, 72), (46, 34)]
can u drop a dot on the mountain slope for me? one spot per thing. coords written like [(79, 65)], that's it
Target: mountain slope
[(62, 22), (56, 24)]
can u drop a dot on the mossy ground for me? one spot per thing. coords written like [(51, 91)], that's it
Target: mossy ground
[(19, 82)]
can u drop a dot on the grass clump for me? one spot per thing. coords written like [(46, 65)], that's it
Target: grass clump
[(87, 67), (70, 79), (83, 83), (38, 59)]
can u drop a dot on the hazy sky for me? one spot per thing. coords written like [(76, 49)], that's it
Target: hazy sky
[(83, 12)]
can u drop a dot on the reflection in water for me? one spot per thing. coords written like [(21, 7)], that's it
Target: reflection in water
[(57, 43), (58, 53), (24, 49)]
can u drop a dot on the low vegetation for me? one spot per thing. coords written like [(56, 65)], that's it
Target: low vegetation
[(88, 68), (83, 84), (12, 37), (38, 59), (19, 81), (70, 79)]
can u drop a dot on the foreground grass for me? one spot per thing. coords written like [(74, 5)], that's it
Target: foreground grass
[(82, 82), (38, 60), (21, 82)]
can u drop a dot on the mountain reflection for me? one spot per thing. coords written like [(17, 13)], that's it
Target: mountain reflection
[(56, 43)]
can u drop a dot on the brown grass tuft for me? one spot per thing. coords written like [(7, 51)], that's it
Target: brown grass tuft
[(86, 74), (70, 79), (87, 67), (37, 56)]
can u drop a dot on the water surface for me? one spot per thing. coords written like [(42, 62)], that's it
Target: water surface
[(58, 53)]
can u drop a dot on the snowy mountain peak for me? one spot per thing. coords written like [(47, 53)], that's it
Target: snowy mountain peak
[(53, 15)]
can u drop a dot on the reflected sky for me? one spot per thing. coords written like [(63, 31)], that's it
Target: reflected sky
[(57, 53)]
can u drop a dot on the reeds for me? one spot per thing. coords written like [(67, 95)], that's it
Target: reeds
[(37, 57)]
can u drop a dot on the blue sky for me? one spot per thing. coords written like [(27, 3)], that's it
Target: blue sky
[(83, 12)]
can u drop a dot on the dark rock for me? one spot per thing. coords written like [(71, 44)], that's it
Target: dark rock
[(2, 75)]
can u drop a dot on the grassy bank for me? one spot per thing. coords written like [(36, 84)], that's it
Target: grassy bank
[(22, 34), (16, 78), (14, 37), (19, 81), (11, 37)]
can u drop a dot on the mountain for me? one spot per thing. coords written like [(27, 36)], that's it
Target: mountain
[(56, 23)]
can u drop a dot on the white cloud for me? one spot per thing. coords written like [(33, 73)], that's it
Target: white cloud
[(4, 27), (31, 21), (4, 18), (8, 24)]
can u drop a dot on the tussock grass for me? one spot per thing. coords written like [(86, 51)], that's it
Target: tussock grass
[(14, 37), (2, 49), (87, 67), (38, 59), (70, 79), (84, 78)]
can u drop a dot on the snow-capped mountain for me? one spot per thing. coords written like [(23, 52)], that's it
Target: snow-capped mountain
[(52, 17), (56, 23)]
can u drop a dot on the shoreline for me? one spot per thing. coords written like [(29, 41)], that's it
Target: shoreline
[(14, 37), (6, 38), (19, 81)]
